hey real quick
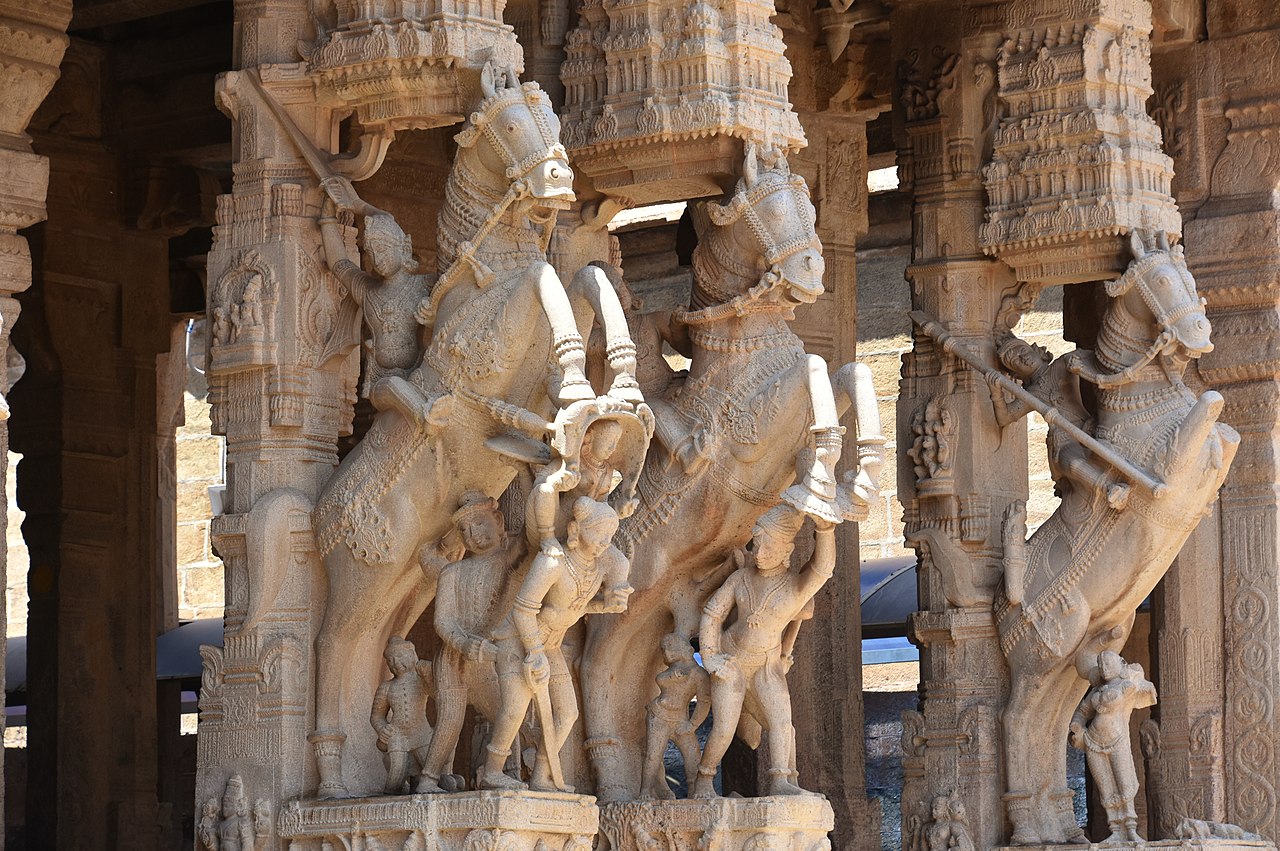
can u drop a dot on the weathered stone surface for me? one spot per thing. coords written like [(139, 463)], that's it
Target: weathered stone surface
[(734, 824)]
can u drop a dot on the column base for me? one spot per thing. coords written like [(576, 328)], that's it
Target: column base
[(724, 824), (476, 821)]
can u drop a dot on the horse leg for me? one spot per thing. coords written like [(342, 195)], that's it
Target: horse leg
[(1070, 689), (854, 387), (570, 351), (331, 676), (617, 680), (592, 284), (816, 494), (1018, 720)]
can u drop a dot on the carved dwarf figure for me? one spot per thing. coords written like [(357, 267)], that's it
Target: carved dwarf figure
[(472, 595), (235, 832), (1100, 728), (399, 714), (591, 577), (1052, 381), (682, 681), (746, 661)]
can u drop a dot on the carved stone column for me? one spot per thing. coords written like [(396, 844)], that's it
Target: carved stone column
[(1216, 102), (283, 365), (954, 497)]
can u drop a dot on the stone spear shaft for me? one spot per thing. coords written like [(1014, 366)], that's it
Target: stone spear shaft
[(1149, 483)]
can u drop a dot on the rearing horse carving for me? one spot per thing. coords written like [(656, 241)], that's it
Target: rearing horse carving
[(1073, 588), (505, 351), (753, 411)]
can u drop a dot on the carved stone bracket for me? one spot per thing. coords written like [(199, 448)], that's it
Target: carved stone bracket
[(656, 99), (1077, 161)]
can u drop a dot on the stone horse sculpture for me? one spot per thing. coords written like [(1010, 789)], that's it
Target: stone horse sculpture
[(475, 406), (1081, 577), (731, 435)]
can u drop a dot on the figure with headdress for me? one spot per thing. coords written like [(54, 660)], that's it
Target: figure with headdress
[(399, 714), (590, 473), (748, 660), (235, 832), (682, 681), (388, 296), (590, 577), (1052, 381), (473, 595), (1100, 728)]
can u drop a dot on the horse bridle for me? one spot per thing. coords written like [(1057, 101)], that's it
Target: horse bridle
[(514, 170), (743, 207), (1165, 317)]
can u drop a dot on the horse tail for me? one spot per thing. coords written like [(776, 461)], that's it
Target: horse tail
[(267, 539)]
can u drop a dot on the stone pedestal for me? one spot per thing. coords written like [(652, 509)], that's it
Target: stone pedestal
[(723, 824), (474, 821)]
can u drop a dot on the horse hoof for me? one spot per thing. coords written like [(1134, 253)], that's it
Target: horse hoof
[(574, 387), (625, 389)]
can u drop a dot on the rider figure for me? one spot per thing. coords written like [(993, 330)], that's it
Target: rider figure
[(388, 299), (1051, 381)]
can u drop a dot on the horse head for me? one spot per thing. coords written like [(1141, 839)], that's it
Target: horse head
[(763, 236), (521, 143), (1158, 289)]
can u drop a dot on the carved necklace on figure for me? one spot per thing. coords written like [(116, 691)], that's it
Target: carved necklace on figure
[(759, 610), (584, 578)]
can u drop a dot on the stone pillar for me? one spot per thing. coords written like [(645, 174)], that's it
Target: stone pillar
[(282, 402), (829, 655), (31, 47), (1216, 102), (92, 715), (954, 500)]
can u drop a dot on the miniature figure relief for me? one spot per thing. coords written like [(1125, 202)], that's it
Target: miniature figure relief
[(229, 827)]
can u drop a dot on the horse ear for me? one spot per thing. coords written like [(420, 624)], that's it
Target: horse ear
[(1136, 245), (487, 85), (513, 79), (1162, 240), (750, 165)]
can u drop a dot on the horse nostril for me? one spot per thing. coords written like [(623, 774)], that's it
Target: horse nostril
[(554, 173)]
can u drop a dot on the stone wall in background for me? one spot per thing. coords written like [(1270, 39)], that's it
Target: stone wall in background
[(200, 584)]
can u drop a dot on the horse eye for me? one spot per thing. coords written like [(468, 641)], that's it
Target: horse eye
[(511, 128)]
